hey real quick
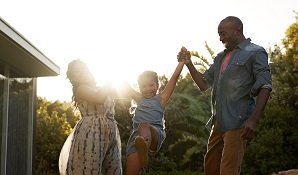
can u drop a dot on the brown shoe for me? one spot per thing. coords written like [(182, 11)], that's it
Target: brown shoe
[(142, 151)]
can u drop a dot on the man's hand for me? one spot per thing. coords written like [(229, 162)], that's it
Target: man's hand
[(184, 55), (250, 127)]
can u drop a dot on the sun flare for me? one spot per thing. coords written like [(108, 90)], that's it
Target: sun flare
[(116, 78)]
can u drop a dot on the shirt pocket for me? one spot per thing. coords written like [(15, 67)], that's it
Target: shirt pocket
[(240, 66), (238, 75), (237, 69)]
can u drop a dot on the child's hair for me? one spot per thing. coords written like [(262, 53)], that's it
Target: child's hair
[(148, 74)]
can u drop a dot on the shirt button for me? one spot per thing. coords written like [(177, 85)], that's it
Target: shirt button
[(240, 116)]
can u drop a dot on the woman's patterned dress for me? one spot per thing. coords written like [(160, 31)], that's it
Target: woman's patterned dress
[(94, 145)]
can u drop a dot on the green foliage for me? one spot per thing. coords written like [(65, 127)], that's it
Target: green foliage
[(275, 146), (186, 152), (285, 69), (202, 61), (61, 108), (52, 129), (124, 120)]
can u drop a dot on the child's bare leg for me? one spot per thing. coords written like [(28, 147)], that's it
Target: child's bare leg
[(132, 164), (147, 139), (142, 151), (150, 135)]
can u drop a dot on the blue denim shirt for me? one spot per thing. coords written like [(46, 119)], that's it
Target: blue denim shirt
[(234, 91)]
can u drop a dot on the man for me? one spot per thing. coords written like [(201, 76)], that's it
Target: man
[(241, 83)]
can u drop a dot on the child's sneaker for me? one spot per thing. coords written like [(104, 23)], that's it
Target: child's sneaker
[(142, 151)]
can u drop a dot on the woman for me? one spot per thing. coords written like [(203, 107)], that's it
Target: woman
[(94, 146)]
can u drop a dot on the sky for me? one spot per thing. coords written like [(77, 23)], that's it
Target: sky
[(119, 39)]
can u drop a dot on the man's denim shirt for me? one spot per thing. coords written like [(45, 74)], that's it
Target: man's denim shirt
[(234, 91)]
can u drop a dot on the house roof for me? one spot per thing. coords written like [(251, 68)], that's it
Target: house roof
[(23, 58)]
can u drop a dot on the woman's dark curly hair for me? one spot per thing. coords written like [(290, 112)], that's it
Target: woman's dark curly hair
[(75, 84)]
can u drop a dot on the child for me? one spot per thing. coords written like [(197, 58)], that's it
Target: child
[(148, 120)]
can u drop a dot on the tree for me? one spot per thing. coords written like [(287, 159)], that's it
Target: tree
[(72, 117), (275, 146), (52, 129)]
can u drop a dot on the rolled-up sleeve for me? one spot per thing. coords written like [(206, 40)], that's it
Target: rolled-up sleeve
[(261, 72)]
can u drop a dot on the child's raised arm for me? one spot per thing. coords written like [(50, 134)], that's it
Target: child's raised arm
[(169, 89)]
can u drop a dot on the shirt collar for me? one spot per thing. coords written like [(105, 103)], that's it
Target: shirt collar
[(241, 45)]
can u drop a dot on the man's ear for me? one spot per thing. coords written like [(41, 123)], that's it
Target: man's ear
[(239, 30)]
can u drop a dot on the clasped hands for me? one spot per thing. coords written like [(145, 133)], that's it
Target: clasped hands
[(184, 55)]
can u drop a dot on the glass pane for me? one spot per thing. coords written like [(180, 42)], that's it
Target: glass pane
[(18, 112)]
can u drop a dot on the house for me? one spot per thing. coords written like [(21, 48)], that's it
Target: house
[(20, 65)]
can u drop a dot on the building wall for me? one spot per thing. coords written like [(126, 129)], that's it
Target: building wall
[(20, 65), (17, 121)]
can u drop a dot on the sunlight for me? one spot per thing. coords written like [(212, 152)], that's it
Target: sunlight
[(114, 77), (117, 48)]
